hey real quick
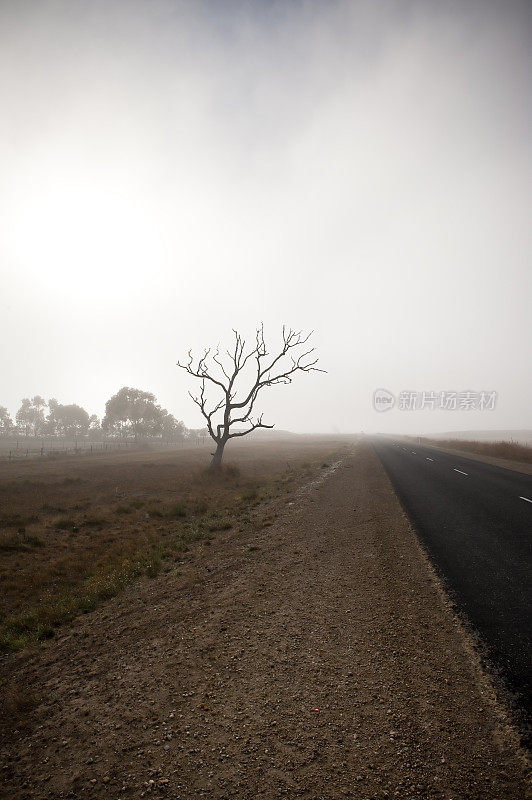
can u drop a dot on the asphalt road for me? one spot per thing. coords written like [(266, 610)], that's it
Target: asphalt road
[(475, 521)]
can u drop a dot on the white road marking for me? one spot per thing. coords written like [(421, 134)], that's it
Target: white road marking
[(460, 471), (414, 453), (525, 498), (430, 459), (404, 448)]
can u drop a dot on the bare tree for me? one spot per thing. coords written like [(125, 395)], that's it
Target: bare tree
[(256, 368)]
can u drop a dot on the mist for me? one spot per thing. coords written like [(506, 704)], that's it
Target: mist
[(174, 170)]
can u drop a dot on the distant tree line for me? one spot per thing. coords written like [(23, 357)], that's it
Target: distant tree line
[(130, 413)]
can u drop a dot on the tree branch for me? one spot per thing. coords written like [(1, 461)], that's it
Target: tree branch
[(201, 370), (258, 424), (267, 372)]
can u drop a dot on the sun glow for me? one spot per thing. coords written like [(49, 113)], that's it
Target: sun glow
[(81, 230)]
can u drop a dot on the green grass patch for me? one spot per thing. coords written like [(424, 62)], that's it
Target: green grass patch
[(40, 624)]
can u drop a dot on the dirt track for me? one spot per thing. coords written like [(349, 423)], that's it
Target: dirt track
[(311, 658)]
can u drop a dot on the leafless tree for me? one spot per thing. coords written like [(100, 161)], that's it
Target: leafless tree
[(256, 368)]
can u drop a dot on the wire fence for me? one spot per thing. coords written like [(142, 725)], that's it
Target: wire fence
[(29, 447)]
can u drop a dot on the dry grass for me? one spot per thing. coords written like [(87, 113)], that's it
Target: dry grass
[(513, 451), (74, 533)]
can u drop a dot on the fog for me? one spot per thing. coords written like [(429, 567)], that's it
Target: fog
[(173, 170)]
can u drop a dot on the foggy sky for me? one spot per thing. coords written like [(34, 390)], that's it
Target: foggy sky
[(171, 170)]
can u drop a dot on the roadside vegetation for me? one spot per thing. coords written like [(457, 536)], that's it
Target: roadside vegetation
[(74, 535), (510, 450)]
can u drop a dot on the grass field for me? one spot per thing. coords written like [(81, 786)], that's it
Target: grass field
[(75, 531)]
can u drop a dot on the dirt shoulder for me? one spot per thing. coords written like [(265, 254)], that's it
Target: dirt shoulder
[(314, 657)]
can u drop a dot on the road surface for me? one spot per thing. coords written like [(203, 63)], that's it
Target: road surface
[(475, 521)]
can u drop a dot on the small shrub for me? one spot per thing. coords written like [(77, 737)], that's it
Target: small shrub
[(64, 523), (44, 631), (224, 474), (18, 542), (33, 540), (154, 568), (250, 495), (219, 526), (17, 520), (10, 521), (81, 506), (95, 521), (155, 512), (176, 510), (123, 509), (10, 542), (231, 471)]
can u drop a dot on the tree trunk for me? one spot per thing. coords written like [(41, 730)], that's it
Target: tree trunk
[(217, 456)]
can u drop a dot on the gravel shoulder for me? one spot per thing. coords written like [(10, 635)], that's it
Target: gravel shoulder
[(315, 657), (505, 463)]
